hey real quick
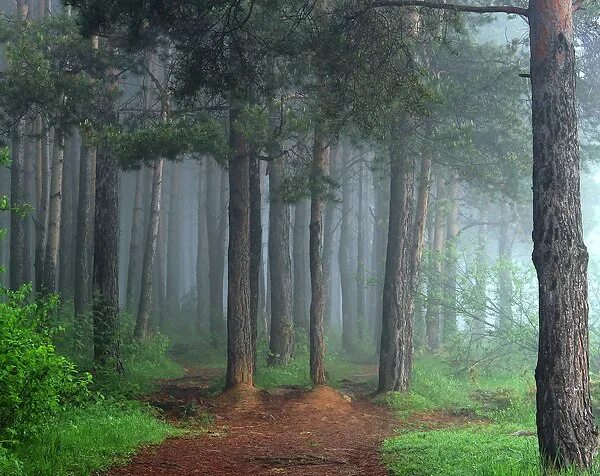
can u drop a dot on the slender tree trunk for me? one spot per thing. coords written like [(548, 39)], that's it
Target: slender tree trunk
[(17, 199), (281, 344), (328, 232), (255, 247), (450, 324), (28, 253), (567, 432), (85, 231), (432, 316), (215, 246), (42, 198), (347, 271), (320, 170), (136, 243), (146, 292), (361, 321), (160, 280), (380, 222), (300, 257), (66, 273), (202, 278), (54, 214), (174, 243)]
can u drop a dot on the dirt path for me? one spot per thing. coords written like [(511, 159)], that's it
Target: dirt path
[(286, 431)]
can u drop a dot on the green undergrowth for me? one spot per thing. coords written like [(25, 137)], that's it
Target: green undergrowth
[(78, 441)]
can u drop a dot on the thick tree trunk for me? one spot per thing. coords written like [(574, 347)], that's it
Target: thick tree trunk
[(54, 214), (85, 231), (300, 257), (396, 356), (17, 199), (567, 432), (281, 344), (136, 243), (146, 292), (319, 172), (240, 357), (106, 264), (255, 247), (214, 218)]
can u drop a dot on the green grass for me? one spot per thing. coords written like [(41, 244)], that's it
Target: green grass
[(83, 440)]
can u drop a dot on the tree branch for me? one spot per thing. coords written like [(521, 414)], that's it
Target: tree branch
[(510, 10)]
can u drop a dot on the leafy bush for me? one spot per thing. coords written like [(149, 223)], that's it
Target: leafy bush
[(34, 380)]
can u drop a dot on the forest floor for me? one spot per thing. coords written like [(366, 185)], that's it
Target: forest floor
[(289, 430)]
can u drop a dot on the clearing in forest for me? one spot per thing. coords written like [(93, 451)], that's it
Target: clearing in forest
[(288, 431)]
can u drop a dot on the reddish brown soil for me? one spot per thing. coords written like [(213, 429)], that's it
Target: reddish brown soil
[(286, 431)]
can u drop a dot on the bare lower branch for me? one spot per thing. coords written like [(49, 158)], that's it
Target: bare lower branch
[(510, 10)]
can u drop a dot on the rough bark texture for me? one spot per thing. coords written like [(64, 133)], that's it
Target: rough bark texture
[(319, 170), (214, 218), (300, 257), (146, 293), (396, 357), (240, 361), (17, 199), (85, 230), (255, 247), (281, 344), (54, 215), (567, 431), (106, 264)]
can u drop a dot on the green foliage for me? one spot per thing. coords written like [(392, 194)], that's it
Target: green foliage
[(79, 441), (34, 380)]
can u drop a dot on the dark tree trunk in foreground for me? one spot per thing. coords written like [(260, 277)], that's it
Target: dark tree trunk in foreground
[(240, 361), (146, 293), (567, 432), (396, 357), (404, 250), (106, 264), (255, 247), (85, 230), (281, 344), (300, 256), (320, 168), (17, 199)]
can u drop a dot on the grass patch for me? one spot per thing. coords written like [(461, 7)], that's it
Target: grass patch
[(79, 441)]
